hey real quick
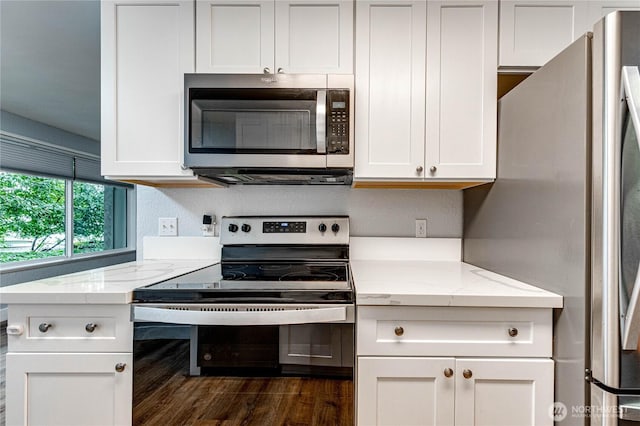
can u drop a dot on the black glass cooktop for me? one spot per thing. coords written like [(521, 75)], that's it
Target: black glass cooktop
[(284, 272), (283, 282)]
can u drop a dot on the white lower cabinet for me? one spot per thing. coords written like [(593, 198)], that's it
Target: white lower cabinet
[(450, 391), (405, 391), (497, 373), (69, 389), (503, 391), (69, 365)]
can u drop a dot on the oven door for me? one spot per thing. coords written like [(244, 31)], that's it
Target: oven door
[(288, 337), (272, 127)]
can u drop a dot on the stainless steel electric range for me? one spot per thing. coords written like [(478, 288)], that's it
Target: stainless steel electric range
[(280, 300)]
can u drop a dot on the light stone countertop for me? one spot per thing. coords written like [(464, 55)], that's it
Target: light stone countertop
[(108, 285), (442, 283), (386, 271)]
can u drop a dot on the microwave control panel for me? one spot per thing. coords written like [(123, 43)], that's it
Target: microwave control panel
[(338, 121)]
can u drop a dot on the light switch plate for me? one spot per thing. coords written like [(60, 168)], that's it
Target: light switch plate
[(168, 226)]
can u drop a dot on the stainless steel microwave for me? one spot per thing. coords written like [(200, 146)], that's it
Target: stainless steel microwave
[(269, 129)]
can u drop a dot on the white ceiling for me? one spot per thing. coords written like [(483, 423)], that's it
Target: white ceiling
[(50, 63)]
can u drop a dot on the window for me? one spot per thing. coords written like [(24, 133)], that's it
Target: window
[(35, 211)]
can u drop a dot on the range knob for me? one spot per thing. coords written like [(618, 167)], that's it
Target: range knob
[(246, 227), (322, 227), (335, 227), (233, 227)]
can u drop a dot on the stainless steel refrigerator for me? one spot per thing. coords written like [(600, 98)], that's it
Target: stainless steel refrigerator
[(564, 214)]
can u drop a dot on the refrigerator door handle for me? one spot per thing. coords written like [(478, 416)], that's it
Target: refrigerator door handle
[(630, 82)]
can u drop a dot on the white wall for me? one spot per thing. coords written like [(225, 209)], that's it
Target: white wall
[(373, 212)]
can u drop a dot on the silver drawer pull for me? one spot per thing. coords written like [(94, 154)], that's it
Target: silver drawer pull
[(120, 367), (91, 327), (44, 327), (467, 374), (448, 372), (513, 332), (399, 331)]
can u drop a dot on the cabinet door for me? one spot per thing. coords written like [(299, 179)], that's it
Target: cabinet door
[(462, 39), (405, 391), (234, 36), (147, 46), (390, 99), (77, 389), (534, 31), (600, 8), (504, 392), (314, 36)]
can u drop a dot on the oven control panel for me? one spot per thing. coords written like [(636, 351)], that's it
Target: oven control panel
[(284, 230), (292, 227)]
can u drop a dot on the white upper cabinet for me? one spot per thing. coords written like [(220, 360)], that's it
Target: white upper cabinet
[(534, 31), (391, 42), (146, 47), (426, 90), (599, 8), (234, 36), (314, 36), (302, 36), (462, 49)]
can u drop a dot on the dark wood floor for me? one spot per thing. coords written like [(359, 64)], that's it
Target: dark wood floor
[(165, 395)]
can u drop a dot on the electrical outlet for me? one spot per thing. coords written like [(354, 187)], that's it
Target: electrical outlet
[(421, 228), (168, 226)]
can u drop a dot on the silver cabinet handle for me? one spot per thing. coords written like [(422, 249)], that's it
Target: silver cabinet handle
[(91, 327), (44, 327), (120, 367), (448, 372), (433, 169), (280, 71), (513, 332), (466, 373), (419, 169), (266, 70), (399, 331)]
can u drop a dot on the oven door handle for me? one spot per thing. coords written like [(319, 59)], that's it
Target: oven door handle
[(178, 316)]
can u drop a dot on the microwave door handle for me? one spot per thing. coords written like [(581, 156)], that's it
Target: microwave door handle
[(321, 122)]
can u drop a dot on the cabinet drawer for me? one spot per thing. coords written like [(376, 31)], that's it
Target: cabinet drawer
[(70, 328), (442, 331)]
